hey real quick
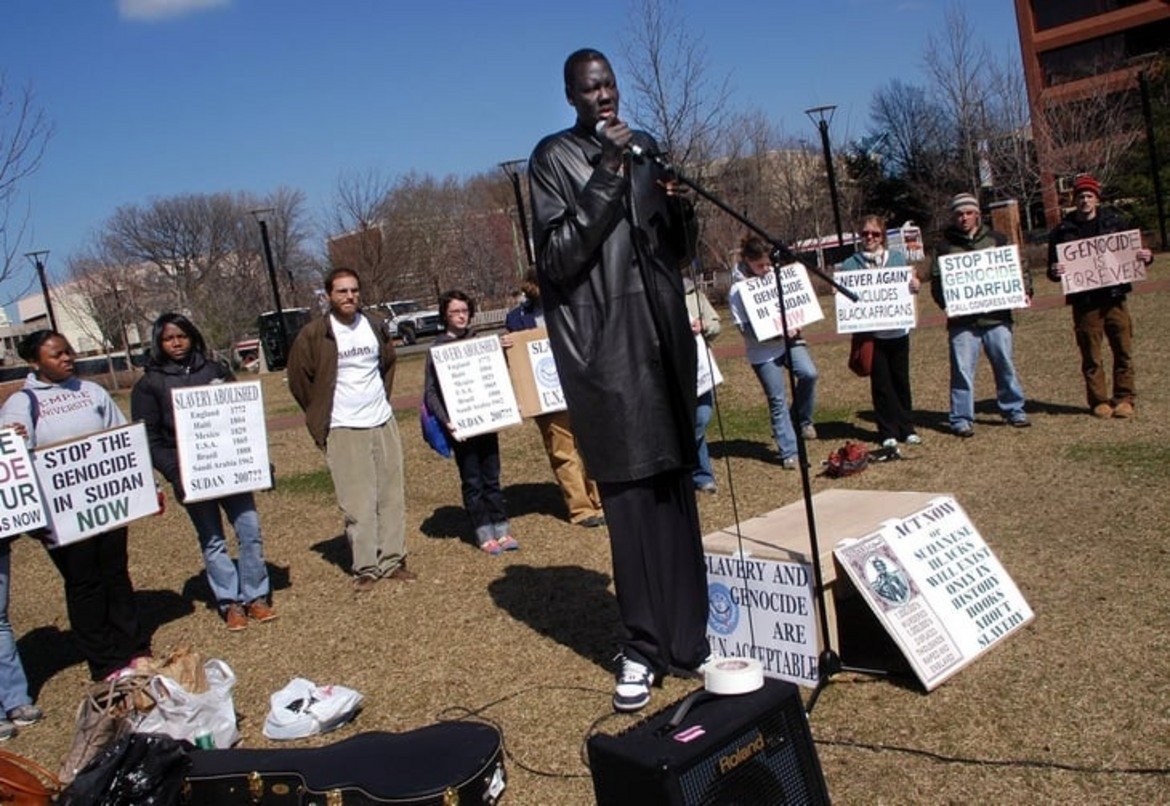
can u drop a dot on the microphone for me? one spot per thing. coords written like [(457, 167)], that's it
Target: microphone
[(633, 148)]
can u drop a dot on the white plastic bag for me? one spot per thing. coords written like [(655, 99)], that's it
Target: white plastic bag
[(182, 715), (302, 708)]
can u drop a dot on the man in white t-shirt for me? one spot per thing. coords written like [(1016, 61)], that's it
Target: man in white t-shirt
[(340, 370)]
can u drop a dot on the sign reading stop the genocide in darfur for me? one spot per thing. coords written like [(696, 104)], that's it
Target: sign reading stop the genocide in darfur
[(1101, 261), (981, 281), (20, 498)]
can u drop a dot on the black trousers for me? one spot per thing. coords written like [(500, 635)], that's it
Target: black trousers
[(658, 569), (889, 386), (100, 601)]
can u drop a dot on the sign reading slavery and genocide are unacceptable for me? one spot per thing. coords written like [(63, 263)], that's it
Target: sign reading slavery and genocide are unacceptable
[(476, 389), (884, 301), (222, 439), (544, 375), (763, 609), (97, 482), (936, 587), (22, 508), (1101, 261), (984, 280), (800, 301)]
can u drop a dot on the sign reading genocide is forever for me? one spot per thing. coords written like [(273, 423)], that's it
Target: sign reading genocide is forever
[(21, 507), (800, 301), (222, 439), (476, 388), (985, 280), (1101, 261), (97, 482)]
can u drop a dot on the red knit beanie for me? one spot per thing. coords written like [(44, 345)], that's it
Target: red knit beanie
[(1087, 182)]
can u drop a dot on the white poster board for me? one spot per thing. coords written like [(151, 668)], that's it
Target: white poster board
[(476, 388), (800, 301), (1101, 261), (937, 588), (767, 599), (97, 482), (984, 280), (549, 395), (222, 439), (884, 301), (708, 375), (21, 505)]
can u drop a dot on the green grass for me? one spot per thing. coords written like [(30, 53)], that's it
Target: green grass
[(314, 482), (1137, 460)]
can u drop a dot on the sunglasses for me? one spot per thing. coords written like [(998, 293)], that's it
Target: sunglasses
[(870, 234)]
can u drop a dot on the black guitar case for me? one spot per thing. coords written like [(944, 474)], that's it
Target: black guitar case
[(448, 763)]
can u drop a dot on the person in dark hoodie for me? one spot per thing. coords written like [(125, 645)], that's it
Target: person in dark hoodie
[(178, 358)]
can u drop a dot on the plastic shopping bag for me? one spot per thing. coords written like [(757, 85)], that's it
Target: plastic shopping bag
[(181, 714), (302, 708)]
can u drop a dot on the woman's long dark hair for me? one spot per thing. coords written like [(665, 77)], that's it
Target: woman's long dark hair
[(157, 356)]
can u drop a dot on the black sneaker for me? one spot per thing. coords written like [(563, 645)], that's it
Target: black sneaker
[(26, 715), (964, 431), (632, 690), (1020, 422)]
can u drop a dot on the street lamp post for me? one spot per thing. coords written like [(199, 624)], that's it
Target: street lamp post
[(259, 215), (822, 116), (36, 258), (513, 168)]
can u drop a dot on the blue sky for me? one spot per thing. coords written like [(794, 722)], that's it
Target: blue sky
[(227, 95)]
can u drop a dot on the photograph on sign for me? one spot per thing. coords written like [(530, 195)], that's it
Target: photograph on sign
[(884, 301), (763, 609), (800, 301), (549, 395), (23, 508), (222, 439), (1101, 261), (476, 388), (96, 482), (708, 374), (937, 588), (984, 280)]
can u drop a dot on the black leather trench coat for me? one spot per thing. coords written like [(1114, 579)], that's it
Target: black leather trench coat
[(609, 249)]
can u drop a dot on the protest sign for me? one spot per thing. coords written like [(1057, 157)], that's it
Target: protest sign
[(984, 280), (476, 388), (534, 373), (1101, 261), (884, 301), (763, 609), (708, 374), (759, 300), (21, 507), (97, 482), (936, 587), (222, 439)]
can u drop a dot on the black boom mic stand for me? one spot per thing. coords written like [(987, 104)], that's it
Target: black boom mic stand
[(828, 662)]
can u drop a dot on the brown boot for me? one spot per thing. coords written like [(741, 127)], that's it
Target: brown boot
[(1102, 411), (1123, 410), (261, 611), (235, 618)]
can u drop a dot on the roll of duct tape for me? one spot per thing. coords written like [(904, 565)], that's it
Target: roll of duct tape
[(733, 675)]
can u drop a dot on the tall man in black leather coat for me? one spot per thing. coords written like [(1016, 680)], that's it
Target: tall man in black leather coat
[(611, 235)]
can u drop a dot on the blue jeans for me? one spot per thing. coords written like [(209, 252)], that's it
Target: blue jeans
[(966, 341), (774, 379), (13, 683), (478, 459), (230, 585), (703, 473)]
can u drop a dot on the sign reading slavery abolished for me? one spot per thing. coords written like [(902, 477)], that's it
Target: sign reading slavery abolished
[(97, 482), (800, 301), (21, 508), (936, 587), (476, 388), (984, 280), (222, 439), (884, 301), (1101, 261), (763, 609)]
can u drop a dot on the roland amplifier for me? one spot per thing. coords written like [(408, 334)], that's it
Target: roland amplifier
[(750, 749)]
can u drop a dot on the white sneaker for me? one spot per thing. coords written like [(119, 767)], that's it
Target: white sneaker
[(808, 431), (632, 691), (913, 439), (889, 443)]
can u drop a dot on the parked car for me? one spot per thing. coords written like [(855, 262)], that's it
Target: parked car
[(409, 319)]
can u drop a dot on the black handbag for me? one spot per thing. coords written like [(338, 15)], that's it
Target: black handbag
[(451, 762)]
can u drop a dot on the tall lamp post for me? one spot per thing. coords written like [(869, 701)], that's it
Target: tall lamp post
[(513, 168), (822, 116), (259, 215), (39, 263)]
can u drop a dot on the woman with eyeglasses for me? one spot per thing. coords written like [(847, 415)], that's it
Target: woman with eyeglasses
[(889, 380)]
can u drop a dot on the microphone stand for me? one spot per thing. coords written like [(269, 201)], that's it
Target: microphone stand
[(828, 662)]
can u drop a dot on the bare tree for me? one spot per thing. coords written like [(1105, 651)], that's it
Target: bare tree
[(24, 133)]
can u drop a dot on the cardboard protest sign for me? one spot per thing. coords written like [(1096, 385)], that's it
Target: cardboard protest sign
[(708, 374), (763, 609), (476, 388), (985, 280), (534, 373), (97, 482), (21, 506), (800, 301), (937, 588), (884, 301), (222, 439), (1101, 261)]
